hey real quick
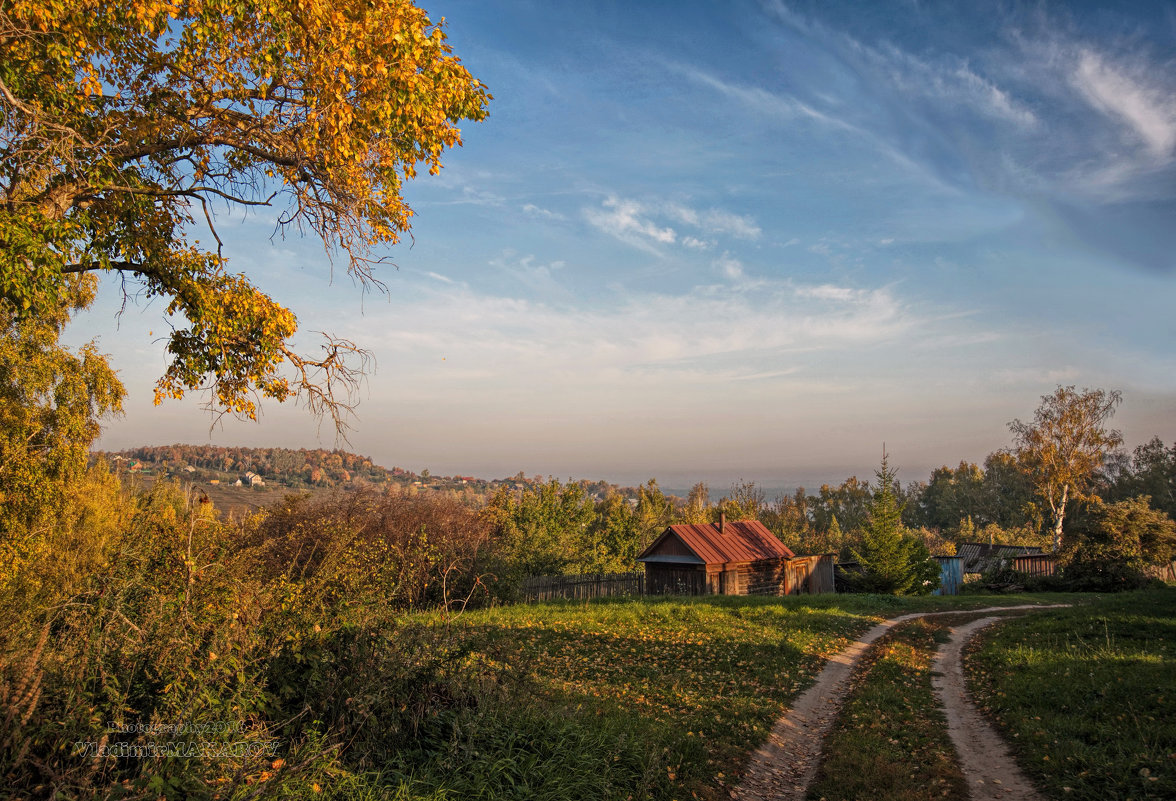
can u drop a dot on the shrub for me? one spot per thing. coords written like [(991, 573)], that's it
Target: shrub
[(153, 624), (1108, 546), (369, 550)]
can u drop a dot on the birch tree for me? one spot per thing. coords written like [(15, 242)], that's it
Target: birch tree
[(1065, 445)]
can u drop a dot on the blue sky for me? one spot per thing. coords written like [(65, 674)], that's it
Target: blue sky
[(750, 240)]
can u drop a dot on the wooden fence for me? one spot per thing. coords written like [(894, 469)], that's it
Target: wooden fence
[(608, 585), (602, 585)]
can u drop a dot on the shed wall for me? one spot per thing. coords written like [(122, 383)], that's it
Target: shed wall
[(951, 575), (1037, 565), (663, 579)]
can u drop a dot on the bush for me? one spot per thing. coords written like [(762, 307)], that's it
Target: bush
[(275, 637), (369, 550), (153, 625), (1109, 546)]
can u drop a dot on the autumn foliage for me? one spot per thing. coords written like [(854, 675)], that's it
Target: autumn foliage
[(124, 126)]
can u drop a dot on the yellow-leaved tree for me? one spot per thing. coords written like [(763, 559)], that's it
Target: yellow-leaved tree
[(121, 124)]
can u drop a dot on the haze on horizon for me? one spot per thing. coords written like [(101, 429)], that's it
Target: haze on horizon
[(747, 241)]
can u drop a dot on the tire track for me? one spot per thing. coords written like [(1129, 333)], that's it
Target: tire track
[(785, 765), (988, 766)]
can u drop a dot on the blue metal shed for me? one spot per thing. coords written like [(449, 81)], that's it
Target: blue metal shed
[(951, 575)]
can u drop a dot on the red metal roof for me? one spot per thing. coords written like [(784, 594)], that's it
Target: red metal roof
[(740, 541)]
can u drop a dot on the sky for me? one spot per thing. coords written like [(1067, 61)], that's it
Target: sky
[(746, 240)]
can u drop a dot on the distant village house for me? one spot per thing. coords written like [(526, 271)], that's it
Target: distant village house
[(251, 480)]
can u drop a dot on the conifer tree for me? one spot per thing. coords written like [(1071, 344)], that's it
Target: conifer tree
[(893, 561)]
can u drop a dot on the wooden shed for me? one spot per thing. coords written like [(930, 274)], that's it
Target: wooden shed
[(951, 575), (979, 557), (1038, 564), (730, 558)]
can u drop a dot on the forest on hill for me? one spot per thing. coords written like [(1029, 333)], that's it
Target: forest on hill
[(304, 468)]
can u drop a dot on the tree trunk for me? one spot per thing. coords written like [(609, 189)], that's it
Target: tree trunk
[(1059, 517)]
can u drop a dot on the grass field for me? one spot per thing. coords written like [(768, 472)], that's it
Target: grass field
[(623, 699), (1087, 696)]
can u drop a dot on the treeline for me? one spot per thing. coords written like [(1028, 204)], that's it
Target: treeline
[(556, 527), (546, 526)]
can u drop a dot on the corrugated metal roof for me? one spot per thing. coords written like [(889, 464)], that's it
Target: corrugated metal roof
[(980, 556), (740, 541)]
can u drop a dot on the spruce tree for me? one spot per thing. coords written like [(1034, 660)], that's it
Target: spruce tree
[(893, 561)]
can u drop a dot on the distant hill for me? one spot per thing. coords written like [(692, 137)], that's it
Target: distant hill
[(296, 469), (276, 468)]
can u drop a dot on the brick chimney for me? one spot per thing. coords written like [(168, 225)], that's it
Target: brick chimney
[(722, 521)]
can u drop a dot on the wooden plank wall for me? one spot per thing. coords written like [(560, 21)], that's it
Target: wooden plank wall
[(803, 575), (1035, 565), (951, 575), (666, 580)]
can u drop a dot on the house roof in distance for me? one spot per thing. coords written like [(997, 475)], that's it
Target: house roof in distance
[(979, 556), (738, 541)]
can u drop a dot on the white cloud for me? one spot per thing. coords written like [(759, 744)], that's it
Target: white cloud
[(653, 343), (729, 266), (715, 221), (831, 292), (627, 220), (547, 214), (948, 80), (763, 101), (1148, 110), (537, 276), (645, 224)]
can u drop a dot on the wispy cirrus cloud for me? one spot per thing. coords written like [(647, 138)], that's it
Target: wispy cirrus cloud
[(539, 277), (650, 224), (1146, 107), (947, 80), (715, 221), (1013, 115), (759, 99), (532, 210), (628, 221)]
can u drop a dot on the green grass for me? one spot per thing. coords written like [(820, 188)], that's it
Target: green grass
[(1087, 696), (656, 699), (890, 741)]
